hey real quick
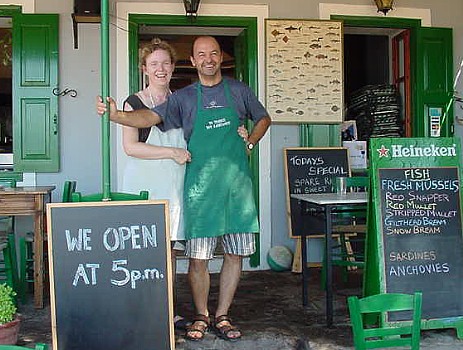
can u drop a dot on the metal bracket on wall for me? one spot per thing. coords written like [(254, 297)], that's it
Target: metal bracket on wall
[(71, 92)]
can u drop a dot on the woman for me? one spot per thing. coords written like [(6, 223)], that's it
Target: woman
[(157, 159)]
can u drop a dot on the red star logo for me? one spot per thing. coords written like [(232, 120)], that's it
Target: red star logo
[(383, 151)]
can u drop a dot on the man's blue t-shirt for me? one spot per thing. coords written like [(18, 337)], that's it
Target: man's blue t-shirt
[(179, 111)]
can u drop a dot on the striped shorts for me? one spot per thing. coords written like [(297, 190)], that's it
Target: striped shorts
[(242, 244)]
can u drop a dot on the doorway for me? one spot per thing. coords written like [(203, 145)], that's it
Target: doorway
[(242, 32), (377, 81)]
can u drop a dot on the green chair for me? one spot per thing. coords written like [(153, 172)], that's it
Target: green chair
[(9, 264), (68, 189), (386, 334), (38, 346), (114, 196), (349, 229)]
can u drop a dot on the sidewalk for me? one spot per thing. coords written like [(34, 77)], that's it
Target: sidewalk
[(268, 309)]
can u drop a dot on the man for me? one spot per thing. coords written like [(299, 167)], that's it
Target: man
[(218, 200)]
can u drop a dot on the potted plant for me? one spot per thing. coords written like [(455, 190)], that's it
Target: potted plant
[(9, 319)]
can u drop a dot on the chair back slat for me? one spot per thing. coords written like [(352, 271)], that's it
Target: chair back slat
[(387, 334)]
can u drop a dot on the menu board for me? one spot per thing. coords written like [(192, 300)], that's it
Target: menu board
[(422, 239), (415, 228), (110, 275), (311, 170)]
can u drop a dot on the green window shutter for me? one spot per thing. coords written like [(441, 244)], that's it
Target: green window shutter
[(35, 108), (434, 81)]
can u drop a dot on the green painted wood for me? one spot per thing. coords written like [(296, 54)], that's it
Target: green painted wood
[(320, 135), (385, 335), (105, 134), (35, 108), (434, 70), (386, 157)]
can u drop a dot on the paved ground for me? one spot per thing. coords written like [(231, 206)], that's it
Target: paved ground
[(268, 310)]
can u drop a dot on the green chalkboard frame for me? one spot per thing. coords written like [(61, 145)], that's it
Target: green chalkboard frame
[(110, 275), (401, 153)]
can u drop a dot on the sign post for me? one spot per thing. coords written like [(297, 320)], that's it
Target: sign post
[(415, 240)]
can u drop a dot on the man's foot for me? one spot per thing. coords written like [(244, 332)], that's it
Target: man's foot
[(198, 328), (180, 323), (224, 329)]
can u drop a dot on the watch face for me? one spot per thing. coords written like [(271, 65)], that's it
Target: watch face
[(250, 146)]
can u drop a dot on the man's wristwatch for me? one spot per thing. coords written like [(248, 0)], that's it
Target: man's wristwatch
[(249, 145)]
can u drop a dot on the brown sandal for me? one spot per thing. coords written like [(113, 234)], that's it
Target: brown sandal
[(223, 331), (199, 325)]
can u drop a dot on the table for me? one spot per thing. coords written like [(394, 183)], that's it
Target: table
[(30, 200), (325, 204)]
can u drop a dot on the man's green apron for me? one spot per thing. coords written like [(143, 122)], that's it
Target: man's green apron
[(218, 188)]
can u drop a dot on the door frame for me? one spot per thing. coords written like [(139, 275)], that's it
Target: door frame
[(250, 17)]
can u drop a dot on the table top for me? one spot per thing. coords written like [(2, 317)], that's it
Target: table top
[(26, 190), (333, 198)]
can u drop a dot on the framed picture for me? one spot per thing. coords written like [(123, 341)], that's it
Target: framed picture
[(304, 71)]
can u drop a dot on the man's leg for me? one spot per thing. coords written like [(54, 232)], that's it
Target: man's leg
[(199, 251), (229, 279), (235, 247), (198, 276)]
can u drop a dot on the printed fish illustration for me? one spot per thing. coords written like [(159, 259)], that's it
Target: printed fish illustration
[(335, 108), (291, 28), (334, 59), (276, 71), (279, 111), (315, 46), (320, 56), (331, 28), (291, 109), (331, 34), (300, 112), (307, 55), (312, 90), (276, 32), (335, 81)]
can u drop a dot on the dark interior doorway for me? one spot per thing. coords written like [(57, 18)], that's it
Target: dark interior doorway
[(181, 39)]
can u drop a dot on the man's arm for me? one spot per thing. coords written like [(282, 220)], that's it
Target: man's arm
[(259, 130), (141, 118)]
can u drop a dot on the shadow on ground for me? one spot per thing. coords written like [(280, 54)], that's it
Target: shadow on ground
[(267, 308)]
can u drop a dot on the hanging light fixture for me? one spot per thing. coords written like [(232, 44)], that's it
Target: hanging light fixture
[(383, 5), (191, 7)]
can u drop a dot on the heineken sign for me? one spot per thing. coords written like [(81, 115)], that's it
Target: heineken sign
[(416, 204)]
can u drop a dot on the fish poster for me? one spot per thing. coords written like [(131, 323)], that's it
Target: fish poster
[(304, 71)]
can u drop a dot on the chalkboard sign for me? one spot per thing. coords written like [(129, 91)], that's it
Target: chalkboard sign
[(416, 236), (311, 170), (110, 275)]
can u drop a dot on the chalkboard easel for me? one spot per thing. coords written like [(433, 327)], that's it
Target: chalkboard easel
[(311, 170), (110, 275), (415, 235)]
